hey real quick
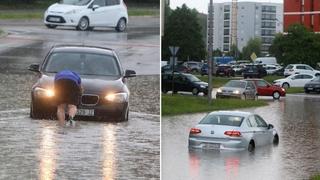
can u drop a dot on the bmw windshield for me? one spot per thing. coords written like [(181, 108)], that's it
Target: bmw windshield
[(75, 2), (82, 63)]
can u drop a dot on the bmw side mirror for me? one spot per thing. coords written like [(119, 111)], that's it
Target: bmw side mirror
[(94, 7), (34, 67), (270, 126), (129, 73)]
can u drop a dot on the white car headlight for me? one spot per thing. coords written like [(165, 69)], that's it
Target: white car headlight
[(117, 97), (236, 92), (41, 92), (219, 90), (202, 86)]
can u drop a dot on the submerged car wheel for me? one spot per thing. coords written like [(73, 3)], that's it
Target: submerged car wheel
[(51, 26), (122, 25), (276, 95), (195, 91), (276, 139), (83, 24), (251, 146), (124, 116)]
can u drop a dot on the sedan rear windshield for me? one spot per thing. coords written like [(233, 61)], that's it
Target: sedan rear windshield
[(289, 67), (82, 63), (75, 2), (226, 120), (235, 84)]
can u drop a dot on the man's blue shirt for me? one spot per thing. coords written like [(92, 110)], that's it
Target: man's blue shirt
[(67, 74)]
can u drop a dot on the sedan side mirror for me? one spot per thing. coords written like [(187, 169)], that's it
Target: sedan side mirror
[(34, 67), (270, 126), (129, 73), (94, 7)]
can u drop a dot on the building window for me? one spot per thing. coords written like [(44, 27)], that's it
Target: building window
[(226, 31), (227, 16), (226, 47), (226, 8), (269, 9), (226, 40), (268, 24), (226, 23)]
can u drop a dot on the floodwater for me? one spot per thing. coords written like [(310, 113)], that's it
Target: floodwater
[(40, 149), (297, 120)]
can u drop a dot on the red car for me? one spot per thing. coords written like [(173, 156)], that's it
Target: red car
[(266, 89)]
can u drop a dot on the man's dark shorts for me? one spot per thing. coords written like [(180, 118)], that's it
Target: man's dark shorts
[(67, 92)]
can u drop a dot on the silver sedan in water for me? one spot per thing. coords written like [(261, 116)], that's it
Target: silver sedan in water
[(232, 130)]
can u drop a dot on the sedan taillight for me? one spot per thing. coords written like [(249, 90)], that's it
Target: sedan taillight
[(233, 133), (195, 131)]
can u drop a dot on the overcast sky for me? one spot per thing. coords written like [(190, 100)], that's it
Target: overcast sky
[(202, 5)]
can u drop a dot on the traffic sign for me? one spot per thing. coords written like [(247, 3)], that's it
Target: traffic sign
[(253, 56), (174, 50)]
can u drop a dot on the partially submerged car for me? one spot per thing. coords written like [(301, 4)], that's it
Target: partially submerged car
[(238, 89), (232, 130), (266, 89), (105, 93)]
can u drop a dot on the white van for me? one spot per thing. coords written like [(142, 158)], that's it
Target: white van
[(266, 60), (86, 14)]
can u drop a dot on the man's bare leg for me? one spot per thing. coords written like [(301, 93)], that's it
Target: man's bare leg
[(72, 110), (61, 113)]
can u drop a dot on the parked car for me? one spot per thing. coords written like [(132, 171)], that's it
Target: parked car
[(177, 68), (205, 70), (225, 70), (300, 68), (183, 82), (271, 69), (232, 130), (238, 89), (87, 14), (105, 94), (254, 71), (295, 80), (194, 66), (312, 86), (238, 69), (266, 89), (278, 72)]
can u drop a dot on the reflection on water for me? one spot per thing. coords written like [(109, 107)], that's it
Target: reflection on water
[(109, 145), (297, 120), (47, 154)]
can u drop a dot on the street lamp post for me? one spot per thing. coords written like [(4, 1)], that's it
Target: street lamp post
[(210, 48)]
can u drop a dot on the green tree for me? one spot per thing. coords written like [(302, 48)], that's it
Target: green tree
[(298, 46), (253, 46), (217, 53), (182, 29)]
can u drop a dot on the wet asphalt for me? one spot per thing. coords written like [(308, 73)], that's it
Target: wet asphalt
[(297, 120), (40, 149)]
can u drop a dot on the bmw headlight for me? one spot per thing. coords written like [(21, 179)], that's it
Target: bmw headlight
[(203, 86), (41, 92), (117, 97), (236, 92)]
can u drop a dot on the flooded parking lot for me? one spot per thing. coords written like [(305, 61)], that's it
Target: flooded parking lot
[(297, 120)]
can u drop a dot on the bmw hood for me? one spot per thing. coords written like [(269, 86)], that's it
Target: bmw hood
[(90, 84), (63, 8)]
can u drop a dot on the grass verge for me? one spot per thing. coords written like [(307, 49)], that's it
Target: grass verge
[(316, 177), (1, 32), (38, 14), (181, 104)]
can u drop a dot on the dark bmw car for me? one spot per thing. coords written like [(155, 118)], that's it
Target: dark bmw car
[(105, 94), (312, 86), (183, 82)]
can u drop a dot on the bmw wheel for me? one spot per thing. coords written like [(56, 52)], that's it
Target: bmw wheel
[(122, 25), (276, 95), (83, 24)]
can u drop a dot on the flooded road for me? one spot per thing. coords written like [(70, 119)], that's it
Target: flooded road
[(297, 120), (40, 149)]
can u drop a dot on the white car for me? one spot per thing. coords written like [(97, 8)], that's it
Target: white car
[(295, 80), (271, 68), (300, 68), (86, 14)]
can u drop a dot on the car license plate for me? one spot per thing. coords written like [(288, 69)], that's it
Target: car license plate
[(54, 19), (85, 112), (211, 146), (310, 88)]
